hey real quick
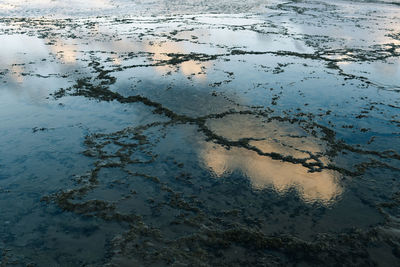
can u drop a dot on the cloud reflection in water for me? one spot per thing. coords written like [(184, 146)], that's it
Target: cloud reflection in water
[(264, 172)]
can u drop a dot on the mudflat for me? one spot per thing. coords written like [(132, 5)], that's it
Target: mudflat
[(200, 133)]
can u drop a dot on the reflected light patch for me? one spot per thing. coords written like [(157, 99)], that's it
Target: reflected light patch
[(279, 137), (66, 53), (265, 172), (16, 73), (6, 7), (188, 68)]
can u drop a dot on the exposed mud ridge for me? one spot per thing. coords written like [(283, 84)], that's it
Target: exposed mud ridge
[(211, 248)]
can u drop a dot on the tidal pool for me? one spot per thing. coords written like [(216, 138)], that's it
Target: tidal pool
[(244, 133)]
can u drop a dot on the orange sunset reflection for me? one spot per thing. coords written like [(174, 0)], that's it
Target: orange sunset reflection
[(264, 172), (160, 52)]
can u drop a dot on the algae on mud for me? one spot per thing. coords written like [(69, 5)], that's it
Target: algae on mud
[(200, 139)]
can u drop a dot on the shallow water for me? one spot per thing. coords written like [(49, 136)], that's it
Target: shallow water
[(250, 137)]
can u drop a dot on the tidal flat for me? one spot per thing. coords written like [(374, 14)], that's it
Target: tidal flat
[(200, 133)]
